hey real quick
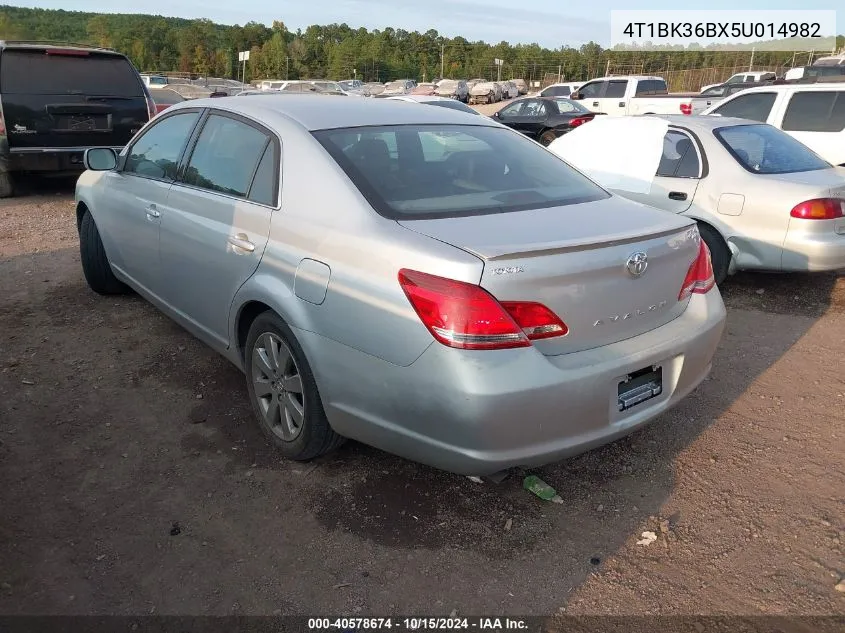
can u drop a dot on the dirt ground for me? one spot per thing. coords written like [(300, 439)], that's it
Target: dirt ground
[(134, 480)]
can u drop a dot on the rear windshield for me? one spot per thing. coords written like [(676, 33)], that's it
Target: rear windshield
[(453, 104), (433, 171), (763, 149), (37, 73)]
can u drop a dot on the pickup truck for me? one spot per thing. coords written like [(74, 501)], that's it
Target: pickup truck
[(636, 94), (715, 94)]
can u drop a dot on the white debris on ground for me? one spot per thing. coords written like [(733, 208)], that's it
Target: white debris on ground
[(616, 152), (647, 538)]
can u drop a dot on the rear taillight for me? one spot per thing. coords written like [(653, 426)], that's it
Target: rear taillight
[(686, 108), (580, 121), (819, 209), (466, 316), (2, 125), (161, 107), (699, 279)]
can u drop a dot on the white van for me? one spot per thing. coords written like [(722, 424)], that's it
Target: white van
[(745, 78), (812, 113)]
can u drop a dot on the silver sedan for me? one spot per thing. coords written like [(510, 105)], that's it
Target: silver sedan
[(419, 279), (762, 200)]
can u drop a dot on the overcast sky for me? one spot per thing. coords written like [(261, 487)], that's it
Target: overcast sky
[(550, 23)]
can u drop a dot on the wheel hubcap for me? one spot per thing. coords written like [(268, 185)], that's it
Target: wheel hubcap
[(278, 386)]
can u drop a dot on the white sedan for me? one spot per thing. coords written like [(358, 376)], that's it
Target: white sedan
[(762, 200)]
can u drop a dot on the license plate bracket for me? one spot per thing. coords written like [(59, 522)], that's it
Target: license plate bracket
[(640, 386)]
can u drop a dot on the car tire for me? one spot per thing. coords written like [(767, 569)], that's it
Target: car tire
[(95, 263), (720, 254), (547, 137), (275, 366), (7, 186)]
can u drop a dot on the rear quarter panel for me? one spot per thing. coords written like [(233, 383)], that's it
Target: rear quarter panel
[(325, 219)]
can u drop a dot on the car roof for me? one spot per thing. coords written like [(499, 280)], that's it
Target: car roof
[(820, 85), (316, 112), (44, 45), (702, 122)]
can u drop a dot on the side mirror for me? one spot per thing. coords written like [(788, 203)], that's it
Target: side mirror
[(576, 96), (495, 115), (100, 159)]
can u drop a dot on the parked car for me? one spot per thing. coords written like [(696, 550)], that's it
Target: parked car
[(373, 89), (453, 88), (57, 100), (815, 73), (509, 90), (832, 60), (269, 84), (716, 94), (762, 200), (485, 92), (424, 89), (812, 113), (521, 86), (164, 98), (443, 102), (621, 96), (454, 277), (154, 81), (560, 90), (746, 77), (398, 87), (544, 118), (473, 82), (352, 85)]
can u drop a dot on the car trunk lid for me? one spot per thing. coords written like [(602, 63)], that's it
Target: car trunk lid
[(575, 260), (70, 98)]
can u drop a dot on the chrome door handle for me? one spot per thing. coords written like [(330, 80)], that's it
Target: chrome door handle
[(152, 212), (241, 242), (595, 103)]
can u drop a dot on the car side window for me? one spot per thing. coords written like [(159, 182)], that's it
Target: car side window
[(616, 89), (534, 109), (515, 109), (680, 159), (225, 156), (156, 154), (813, 111), (755, 107), (591, 90), (265, 185)]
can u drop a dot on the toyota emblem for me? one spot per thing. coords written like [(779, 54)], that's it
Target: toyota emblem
[(636, 264)]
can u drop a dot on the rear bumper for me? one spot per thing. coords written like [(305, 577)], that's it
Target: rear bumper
[(814, 245), (47, 159), (477, 413)]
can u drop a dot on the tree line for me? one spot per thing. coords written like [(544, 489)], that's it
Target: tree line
[(338, 51)]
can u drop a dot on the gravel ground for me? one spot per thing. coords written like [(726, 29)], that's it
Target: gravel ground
[(135, 481)]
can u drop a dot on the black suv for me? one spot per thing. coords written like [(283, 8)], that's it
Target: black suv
[(57, 100)]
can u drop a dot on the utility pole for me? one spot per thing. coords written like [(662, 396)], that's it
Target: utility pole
[(751, 64), (442, 49), (559, 69)]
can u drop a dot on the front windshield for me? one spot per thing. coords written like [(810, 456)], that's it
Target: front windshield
[(432, 171), (763, 149)]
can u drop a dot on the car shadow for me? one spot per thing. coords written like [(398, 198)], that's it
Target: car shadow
[(133, 449)]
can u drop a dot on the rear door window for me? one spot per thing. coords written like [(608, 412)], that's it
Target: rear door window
[(226, 156), (755, 106), (813, 111), (616, 89), (156, 153), (680, 159), (38, 73)]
